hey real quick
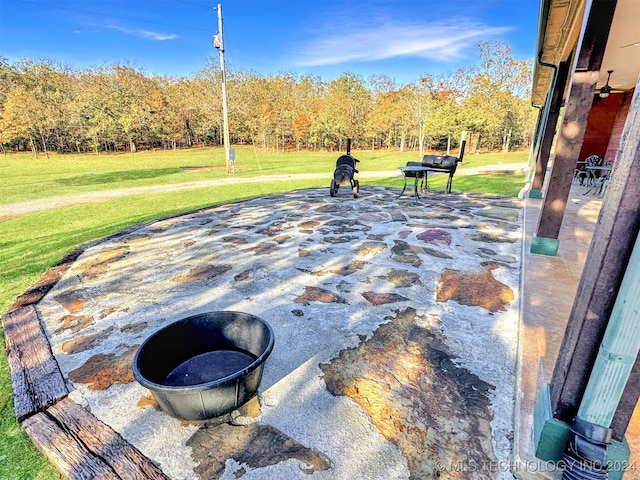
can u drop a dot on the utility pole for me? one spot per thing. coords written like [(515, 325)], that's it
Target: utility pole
[(218, 43)]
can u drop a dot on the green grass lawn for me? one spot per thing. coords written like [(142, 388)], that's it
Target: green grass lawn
[(23, 177), (33, 243)]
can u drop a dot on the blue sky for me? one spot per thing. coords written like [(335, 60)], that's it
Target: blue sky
[(401, 39)]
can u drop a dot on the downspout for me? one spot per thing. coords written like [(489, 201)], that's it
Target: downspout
[(542, 28), (544, 116), (587, 452), (546, 107), (532, 154)]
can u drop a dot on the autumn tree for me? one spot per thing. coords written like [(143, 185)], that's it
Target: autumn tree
[(46, 106), (387, 116), (498, 89), (306, 105), (21, 117), (420, 100), (9, 79), (346, 105), (34, 104)]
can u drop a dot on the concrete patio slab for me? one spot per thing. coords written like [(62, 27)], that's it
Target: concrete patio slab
[(396, 327)]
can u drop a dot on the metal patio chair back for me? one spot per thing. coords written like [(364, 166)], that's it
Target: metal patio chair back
[(582, 173)]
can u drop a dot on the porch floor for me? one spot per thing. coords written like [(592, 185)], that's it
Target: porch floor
[(549, 285)]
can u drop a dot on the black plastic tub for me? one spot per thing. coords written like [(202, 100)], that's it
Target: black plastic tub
[(206, 365)]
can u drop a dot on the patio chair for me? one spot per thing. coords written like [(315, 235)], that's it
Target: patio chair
[(600, 183), (582, 174)]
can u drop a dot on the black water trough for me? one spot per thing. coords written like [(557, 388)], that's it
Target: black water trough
[(206, 365)]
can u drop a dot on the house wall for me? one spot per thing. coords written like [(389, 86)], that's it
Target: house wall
[(600, 125), (618, 127)]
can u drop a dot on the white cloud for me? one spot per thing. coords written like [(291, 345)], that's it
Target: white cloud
[(145, 33), (442, 41)]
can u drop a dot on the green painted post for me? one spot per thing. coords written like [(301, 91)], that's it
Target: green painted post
[(618, 351), (545, 246)]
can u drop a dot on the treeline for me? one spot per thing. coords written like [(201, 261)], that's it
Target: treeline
[(47, 107)]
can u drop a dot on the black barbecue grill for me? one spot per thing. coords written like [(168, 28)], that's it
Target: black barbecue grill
[(345, 173), (431, 163)]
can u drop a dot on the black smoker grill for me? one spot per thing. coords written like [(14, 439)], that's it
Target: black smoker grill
[(438, 163), (344, 173)]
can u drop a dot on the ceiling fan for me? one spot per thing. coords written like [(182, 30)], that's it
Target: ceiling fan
[(606, 90)]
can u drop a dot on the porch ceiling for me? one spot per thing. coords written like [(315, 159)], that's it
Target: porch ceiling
[(558, 32)]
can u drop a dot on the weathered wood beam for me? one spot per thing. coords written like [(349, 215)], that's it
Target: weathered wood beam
[(46, 282), (611, 246), (596, 35), (37, 380), (567, 151), (94, 438), (587, 67), (64, 451)]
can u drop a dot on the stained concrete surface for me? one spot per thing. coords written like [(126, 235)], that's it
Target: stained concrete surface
[(396, 327)]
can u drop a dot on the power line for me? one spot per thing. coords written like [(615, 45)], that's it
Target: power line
[(100, 14)]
